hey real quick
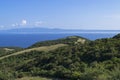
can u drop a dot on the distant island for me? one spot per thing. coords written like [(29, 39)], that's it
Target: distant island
[(54, 30)]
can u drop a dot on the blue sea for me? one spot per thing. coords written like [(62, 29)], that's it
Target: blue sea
[(25, 40)]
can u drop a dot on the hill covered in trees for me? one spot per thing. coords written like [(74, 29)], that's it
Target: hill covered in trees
[(76, 59)]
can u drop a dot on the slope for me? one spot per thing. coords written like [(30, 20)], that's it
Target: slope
[(49, 45), (70, 40), (43, 48), (93, 60)]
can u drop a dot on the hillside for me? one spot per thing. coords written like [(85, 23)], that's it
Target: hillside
[(70, 58), (9, 50), (71, 40), (43, 48), (45, 45)]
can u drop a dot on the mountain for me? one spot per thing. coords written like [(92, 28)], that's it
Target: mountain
[(53, 30), (69, 58)]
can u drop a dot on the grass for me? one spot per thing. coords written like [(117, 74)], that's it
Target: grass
[(80, 41), (7, 49), (43, 48), (33, 78)]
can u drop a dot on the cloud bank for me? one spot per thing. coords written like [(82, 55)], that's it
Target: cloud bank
[(24, 22)]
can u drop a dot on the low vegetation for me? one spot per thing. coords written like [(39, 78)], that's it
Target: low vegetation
[(8, 50), (65, 59)]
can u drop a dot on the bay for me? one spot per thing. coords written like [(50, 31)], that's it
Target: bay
[(25, 40)]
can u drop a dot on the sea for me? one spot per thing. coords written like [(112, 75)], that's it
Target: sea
[(26, 40)]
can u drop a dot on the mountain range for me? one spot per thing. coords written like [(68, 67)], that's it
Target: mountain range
[(55, 30)]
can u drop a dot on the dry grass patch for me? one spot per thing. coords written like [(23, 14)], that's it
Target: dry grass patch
[(43, 48), (33, 78)]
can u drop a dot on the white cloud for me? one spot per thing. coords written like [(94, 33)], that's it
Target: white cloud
[(14, 25), (24, 22), (38, 23)]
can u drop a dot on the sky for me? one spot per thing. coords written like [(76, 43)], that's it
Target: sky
[(63, 14)]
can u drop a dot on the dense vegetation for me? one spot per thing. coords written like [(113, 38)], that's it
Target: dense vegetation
[(93, 60)]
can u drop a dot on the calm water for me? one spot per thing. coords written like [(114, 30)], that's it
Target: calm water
[(25, 40)]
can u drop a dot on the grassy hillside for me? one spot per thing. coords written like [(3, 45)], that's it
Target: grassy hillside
[(43, 48), (71, 58), (8, 50)]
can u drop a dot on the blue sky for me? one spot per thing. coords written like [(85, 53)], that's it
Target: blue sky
[(66, 14)]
